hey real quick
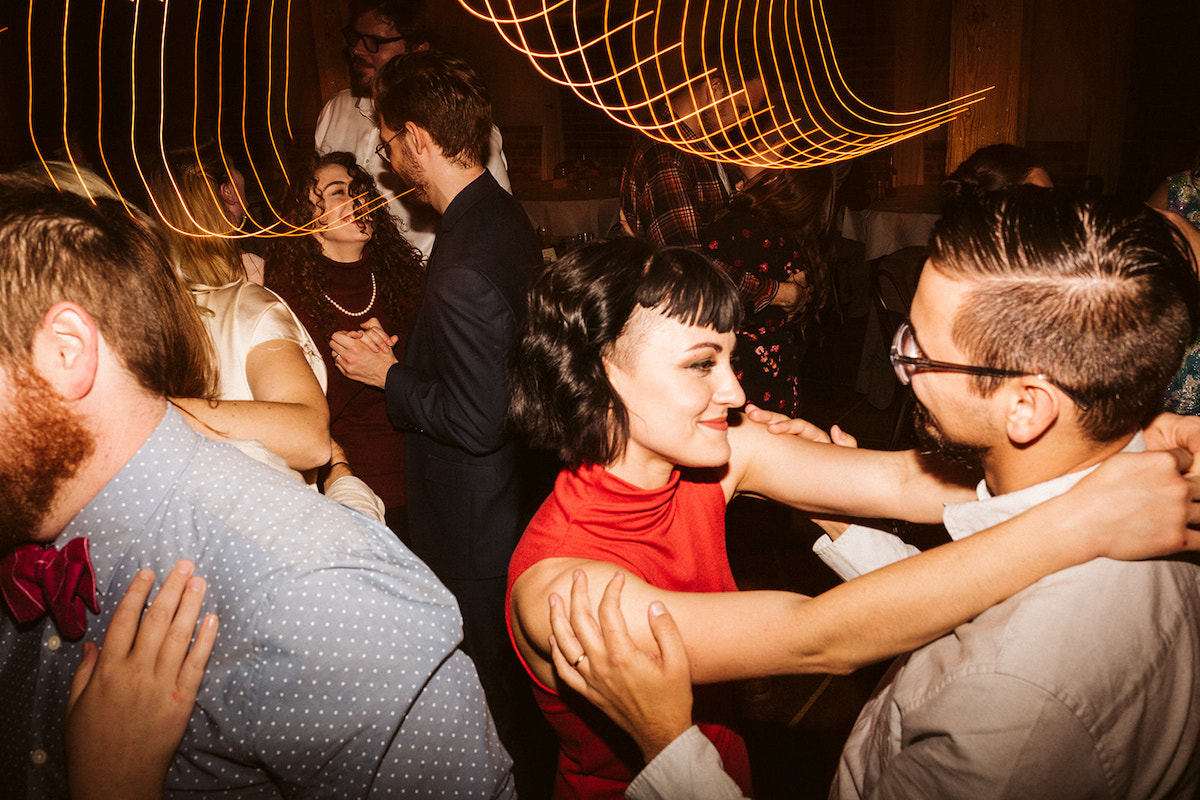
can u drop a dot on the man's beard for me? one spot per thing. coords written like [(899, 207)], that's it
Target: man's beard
[(362, 79), (409, 171), (932, 438), (42, 445)]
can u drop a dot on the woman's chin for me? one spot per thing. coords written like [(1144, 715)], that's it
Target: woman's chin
[(715, 456)]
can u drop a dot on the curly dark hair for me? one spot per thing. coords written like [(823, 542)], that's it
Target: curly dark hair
[(294, 263), (561, 398)]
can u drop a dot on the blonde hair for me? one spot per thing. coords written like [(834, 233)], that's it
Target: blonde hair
[(190, 206)]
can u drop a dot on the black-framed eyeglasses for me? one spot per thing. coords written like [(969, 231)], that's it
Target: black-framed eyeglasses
[(382, 149), (908, 359), (370, 41)]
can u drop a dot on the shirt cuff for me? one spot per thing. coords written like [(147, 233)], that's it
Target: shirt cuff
[(350, 490), (689, 768), (860, 550)]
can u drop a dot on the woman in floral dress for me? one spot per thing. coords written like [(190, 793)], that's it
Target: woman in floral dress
[(771, 241)]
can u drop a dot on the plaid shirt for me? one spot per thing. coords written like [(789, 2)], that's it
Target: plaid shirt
[(669, 196)]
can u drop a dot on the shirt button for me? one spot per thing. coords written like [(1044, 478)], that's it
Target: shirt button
[(54, 643), (38, 757)]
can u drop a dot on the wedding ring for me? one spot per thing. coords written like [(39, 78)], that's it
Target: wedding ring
[(575, 664), (335, 356)]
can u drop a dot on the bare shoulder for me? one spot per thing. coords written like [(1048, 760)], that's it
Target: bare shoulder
[(745, 442), (754, 450), (529, 606)]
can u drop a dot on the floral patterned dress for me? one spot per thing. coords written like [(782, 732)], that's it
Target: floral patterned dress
[(1183, 395), (759, 256)]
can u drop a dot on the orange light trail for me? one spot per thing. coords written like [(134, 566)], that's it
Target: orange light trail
[(818, 119), (140, 37)]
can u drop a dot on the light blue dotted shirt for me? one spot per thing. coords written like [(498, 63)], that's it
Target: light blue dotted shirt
[(336, 671)]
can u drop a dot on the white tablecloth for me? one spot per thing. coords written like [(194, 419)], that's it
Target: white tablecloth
[(885, 232), (565, 218)]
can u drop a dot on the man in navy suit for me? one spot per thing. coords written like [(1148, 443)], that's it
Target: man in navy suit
[(450, 394)]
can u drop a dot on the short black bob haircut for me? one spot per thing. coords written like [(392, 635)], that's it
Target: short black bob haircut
[(578, 306)]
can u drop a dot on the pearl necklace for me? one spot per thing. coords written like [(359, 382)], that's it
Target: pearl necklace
[(350, 313)]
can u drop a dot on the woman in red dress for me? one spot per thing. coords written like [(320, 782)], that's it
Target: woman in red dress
[(624, 369)]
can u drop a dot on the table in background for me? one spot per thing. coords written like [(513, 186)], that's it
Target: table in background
[(893, 223), (566, 212)]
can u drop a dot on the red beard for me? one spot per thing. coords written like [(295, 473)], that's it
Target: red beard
[(42, 445)]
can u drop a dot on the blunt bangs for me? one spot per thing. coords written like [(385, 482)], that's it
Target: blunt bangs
[(690, 289)]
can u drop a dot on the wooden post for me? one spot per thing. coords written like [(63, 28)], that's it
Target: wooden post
[(328, 19), (989, 46), (921, 30)]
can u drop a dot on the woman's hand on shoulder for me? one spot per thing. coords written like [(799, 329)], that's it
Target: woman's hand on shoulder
[(1175, 432), (782, 425), (1135, 506), (1171, 431), (648, 692), (530, 621)]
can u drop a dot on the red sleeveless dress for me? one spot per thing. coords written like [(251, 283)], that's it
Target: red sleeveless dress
[(673, 538)]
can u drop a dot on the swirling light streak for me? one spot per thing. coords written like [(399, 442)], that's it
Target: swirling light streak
[(100, 108), (279, 227), (818, 121), (271, 82)]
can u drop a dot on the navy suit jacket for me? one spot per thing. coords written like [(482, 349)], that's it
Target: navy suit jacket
[(451, 392)]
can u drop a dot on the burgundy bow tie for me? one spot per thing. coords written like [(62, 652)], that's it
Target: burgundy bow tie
[(36, 578)]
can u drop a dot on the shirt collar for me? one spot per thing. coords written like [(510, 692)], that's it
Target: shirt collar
[(963, 519), (470, 194), (366, 107), (116, 516)]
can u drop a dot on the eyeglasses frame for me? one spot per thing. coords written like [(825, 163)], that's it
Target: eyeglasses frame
[(900, 362), (382, 149), (352, 36)]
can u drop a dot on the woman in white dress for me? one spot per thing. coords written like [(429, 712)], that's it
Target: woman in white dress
[(272, 380)]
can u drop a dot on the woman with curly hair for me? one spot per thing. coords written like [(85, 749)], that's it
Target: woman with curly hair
[(354, 266)]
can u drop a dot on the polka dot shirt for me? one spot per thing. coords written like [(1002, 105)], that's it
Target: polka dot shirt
[(336, 671)]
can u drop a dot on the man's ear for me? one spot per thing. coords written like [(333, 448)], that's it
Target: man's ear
[(66, 350), (1033, 406), (417, 138)]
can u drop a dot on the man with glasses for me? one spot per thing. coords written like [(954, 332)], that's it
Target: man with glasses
[(380, 32), (1042, 334), (450, 394)]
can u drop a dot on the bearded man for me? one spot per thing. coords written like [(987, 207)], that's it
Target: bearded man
[(1042, 334), (338, 651)]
